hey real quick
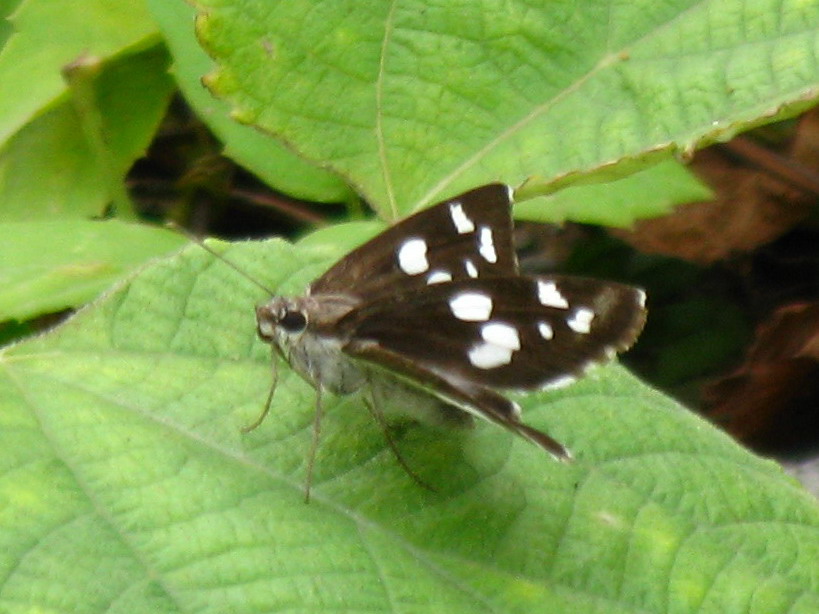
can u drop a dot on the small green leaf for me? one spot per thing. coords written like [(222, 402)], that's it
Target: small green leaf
[(122, 458), (266, 157), (6, 29), (645, 194), (51, 169), (50, 266), (49, 34), (418, 100)]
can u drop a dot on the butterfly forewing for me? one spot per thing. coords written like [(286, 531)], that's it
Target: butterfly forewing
[(510, 332), (466, 237)]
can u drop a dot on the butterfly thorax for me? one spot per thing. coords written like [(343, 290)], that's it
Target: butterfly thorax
[(302, 330)]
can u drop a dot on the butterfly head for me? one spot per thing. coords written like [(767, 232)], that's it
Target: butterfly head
[(281, 319), (304, 331)]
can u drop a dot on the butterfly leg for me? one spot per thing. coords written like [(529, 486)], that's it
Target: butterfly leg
[(266, 410), (378, 416), (311, 458)]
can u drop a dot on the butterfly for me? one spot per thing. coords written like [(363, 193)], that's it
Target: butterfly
[(434, 317)]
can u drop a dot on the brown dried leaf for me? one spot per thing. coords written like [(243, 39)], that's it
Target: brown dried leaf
[(754, 205), (772, 400)]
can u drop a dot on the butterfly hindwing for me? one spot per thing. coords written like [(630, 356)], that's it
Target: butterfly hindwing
[(508, 333), (464, 237), (466, 396)]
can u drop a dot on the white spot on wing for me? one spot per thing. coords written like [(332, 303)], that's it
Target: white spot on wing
[(559, 382), (545, 330), (641, 298), (471, 270), (588, 366), (488, 356), (580, 321), (503, 335), (550, 296), (471, 306), (500, 340), (459, 217), (438, 277), (486, 245), (412, 256)]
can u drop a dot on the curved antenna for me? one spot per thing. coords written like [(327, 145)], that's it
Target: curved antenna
[(201, 243), (194, 239)]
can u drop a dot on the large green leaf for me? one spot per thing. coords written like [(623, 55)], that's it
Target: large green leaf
[(414, 100), (127, 486)]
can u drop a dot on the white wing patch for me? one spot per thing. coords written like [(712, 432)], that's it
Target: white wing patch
[(500, 340), (501, 334), (545, 330), (412, 256), (471, 306), (580, 321), (550, 296), (486, 245), (470, 267), (438, 277), (559, 382), (459, 217), (488, 356)]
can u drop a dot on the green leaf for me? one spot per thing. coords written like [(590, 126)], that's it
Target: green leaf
[(341, 238), (127, 484), (6, 29), (49, 34), (645, 194), (266, 157), (50, 266), (417, 100), (52, 168)]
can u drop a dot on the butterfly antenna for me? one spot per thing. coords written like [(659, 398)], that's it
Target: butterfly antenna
[(266, 410), (311, 459), (378, 415), (201, 243)]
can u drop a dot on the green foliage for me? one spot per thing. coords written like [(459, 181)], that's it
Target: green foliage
[(268, 158), (53, 168), (49, 265), (625, 200), (48, 35), (66, 145), (412, 102), (126, 484), (123, 457)]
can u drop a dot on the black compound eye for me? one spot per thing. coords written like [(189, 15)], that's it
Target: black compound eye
[(293, 321)]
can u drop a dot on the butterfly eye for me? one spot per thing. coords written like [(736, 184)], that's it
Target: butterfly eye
[(293, 321)]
